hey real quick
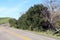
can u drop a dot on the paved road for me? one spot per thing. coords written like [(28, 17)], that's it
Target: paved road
[(7, 33)]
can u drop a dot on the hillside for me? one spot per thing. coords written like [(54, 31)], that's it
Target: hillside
[(4, 20)]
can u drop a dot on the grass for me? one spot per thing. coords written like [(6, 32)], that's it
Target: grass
[(4, 20), (47, 33)]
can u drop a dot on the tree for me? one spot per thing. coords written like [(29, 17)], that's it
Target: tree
[(35, 18), (53, 5)]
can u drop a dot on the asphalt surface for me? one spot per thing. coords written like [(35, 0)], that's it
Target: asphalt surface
[(8, 33)]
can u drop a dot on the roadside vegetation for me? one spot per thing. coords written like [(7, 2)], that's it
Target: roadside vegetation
[(13, 22), (38, 18)]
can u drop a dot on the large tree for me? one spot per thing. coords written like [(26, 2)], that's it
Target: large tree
[(35, 18)]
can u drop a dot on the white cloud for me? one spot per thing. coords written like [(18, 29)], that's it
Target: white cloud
[(9, 11), (2, 9)]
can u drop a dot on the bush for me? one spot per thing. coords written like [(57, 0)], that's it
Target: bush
[(13, 22)]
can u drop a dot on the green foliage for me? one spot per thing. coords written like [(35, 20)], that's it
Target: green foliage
[(13, 22), (32, 19), (35, 19), (57, 21)]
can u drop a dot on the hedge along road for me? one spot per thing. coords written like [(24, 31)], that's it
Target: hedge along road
[(7, 33)]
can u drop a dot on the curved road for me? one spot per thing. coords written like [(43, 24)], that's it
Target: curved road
[(7, 33)]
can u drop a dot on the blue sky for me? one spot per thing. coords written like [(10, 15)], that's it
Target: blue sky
[(15, 8)]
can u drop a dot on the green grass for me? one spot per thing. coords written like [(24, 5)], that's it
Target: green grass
[(4, 20)]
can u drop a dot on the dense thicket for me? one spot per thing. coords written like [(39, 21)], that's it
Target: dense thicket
[(35, 18)]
